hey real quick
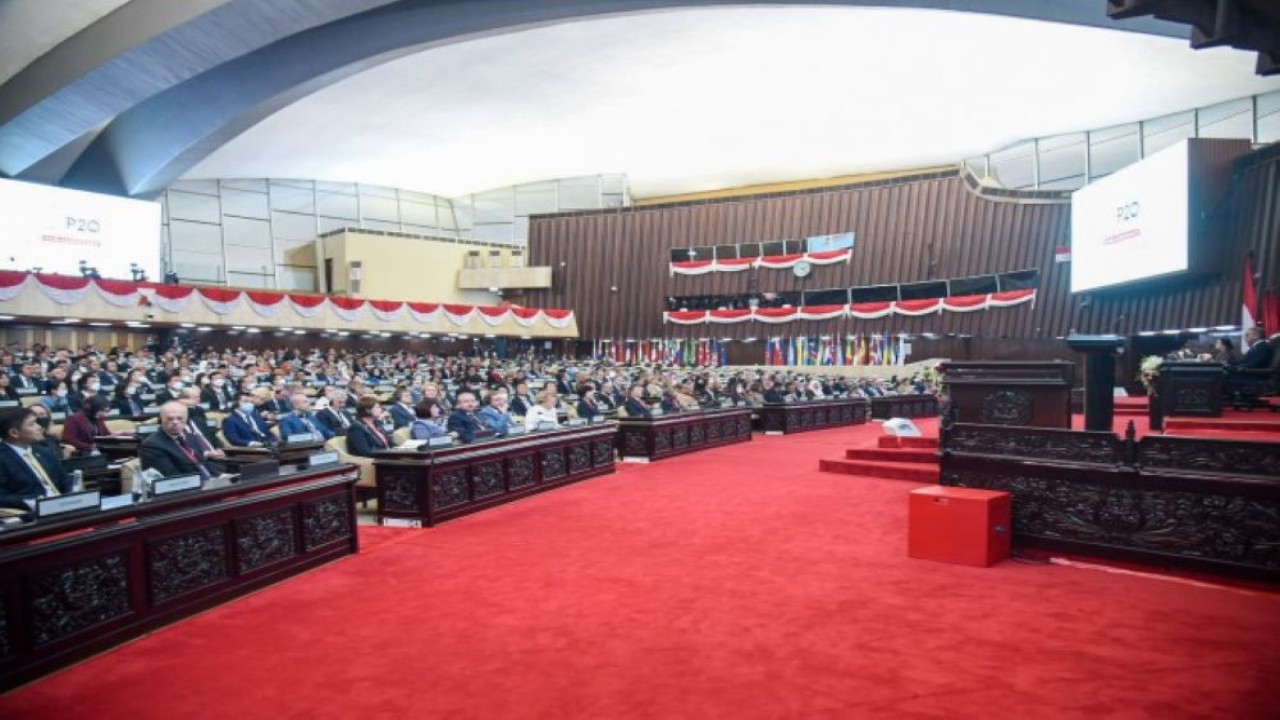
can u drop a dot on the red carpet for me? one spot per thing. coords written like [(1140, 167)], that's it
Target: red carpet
[(736, 583)]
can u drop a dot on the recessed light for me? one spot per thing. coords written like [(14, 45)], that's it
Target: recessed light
[(99, 324), (6, 317), (187, 325), (253, 330)]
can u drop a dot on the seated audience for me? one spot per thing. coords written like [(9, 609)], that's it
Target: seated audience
[(7, 390), (56, 401), (635, 406), (175, 450), (335, 416), (89, 423), (402, 409), (1258, 352), (427, 423), (366, 435), (27, 470), (245, 427), (464, 421), (496, 414), (301, 420), (197, 421), (544, 410)]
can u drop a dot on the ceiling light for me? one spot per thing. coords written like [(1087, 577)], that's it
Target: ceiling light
[(99, 324), (253, 330), (187, 325)]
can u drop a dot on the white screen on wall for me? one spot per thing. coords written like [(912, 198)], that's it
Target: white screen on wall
[(1133, 224), (54, 229)]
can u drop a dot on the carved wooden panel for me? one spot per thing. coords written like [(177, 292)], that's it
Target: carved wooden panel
[(399, 492), (75, 597), (1102, 448), (553, 465), (325, 520), (697, 434), (601, 453), (661, 441), (265, 539), (679, 437), (633, 443), (1006, 407), (579, 458), (182, 564), (1194, 525), (713, 431), (487, 479), (742, 427), (1221, 456), (520, 471), (449, 488)]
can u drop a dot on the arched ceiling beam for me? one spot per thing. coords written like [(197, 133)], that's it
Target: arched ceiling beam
[(140, 49), (152, 144)]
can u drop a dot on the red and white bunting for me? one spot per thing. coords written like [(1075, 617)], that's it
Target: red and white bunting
[(307, 306), (860, 311), (13, 283), (219, 301), (170, 298), (118, 292), (386, 310), (425, 313), (459, 314), (773, 262), (558, 319), (62, 289), (265, 304), (492, 316), (268, 304), (346, 308)]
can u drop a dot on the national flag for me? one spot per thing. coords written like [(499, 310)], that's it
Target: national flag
[(1249, 305)]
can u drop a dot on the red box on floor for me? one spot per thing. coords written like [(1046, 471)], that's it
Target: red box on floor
[(959, 525)]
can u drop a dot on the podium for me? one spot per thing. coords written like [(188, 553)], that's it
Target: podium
[(1036, 394), (1099, 377)]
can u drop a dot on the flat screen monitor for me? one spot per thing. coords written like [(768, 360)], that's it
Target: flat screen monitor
[(1132, 225)]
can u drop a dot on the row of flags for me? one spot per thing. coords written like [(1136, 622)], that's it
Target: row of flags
[(668, 351), (828, 350)]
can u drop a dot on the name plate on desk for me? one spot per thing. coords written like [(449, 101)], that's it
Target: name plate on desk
[(577, 422), (147, 429), (57, 416), (150, 409), (146, 396), (205, 406), (27, 391), (547, 425), (296, 438), (442, 441), (742, 403), (322, 458), (111, 502), (63, 504), (655, 412), (516, 430), (9, 403), (176, 484), (113, 412)]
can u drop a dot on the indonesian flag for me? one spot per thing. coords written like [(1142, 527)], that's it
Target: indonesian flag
[(1250, 303)]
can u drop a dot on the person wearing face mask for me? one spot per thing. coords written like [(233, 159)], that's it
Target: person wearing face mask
[(56, 401), (7, 390), (172, 390), (126, 399), (217, 394), (245, 427), (83, 428), (50, 442), (86, 386)]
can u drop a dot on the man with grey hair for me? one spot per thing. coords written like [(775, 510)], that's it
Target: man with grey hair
[(175, 450), (336, 417), (301, 421)]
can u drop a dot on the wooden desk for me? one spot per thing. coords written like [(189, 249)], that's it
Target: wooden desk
[(903, 406), (75, 586), (118, 447), (641, 440), (292, 454), (797, 417), (422, 488), (1011, 393)]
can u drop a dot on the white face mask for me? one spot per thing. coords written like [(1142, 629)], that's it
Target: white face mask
[(94, 387), (131, 390), (219, 382), (60, 393), (175, 387), (246, 407)]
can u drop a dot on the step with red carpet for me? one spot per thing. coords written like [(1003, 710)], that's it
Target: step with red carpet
[(911, 455), (915, 472), (907, 441)]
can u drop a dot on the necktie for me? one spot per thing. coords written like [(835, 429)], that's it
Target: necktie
[(49, 488), (186, 448), (201, 440), (252, 425), (310, 426), (342, 417)]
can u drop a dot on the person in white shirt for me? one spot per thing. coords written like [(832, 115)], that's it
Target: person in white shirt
[(544, 411)]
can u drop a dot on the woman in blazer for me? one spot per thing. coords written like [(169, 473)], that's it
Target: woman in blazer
[(366, 436), (82, 428), (544, 411)]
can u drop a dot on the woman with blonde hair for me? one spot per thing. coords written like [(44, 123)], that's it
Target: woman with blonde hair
[(544, 411)]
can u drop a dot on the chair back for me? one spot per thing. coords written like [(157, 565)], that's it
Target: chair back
[(128, 475), (401, 435)]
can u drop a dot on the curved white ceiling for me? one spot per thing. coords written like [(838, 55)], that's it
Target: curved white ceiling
[(691, 100), (31, 28)]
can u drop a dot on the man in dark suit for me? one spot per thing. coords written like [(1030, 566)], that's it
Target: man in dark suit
[(175, 450), (1258, 356), (197, 421), (336, 417), (464, 421), (522, 400), (244, 427), (26, 470), (301, 420), (772, 394), (28, 380), (402, 413)]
